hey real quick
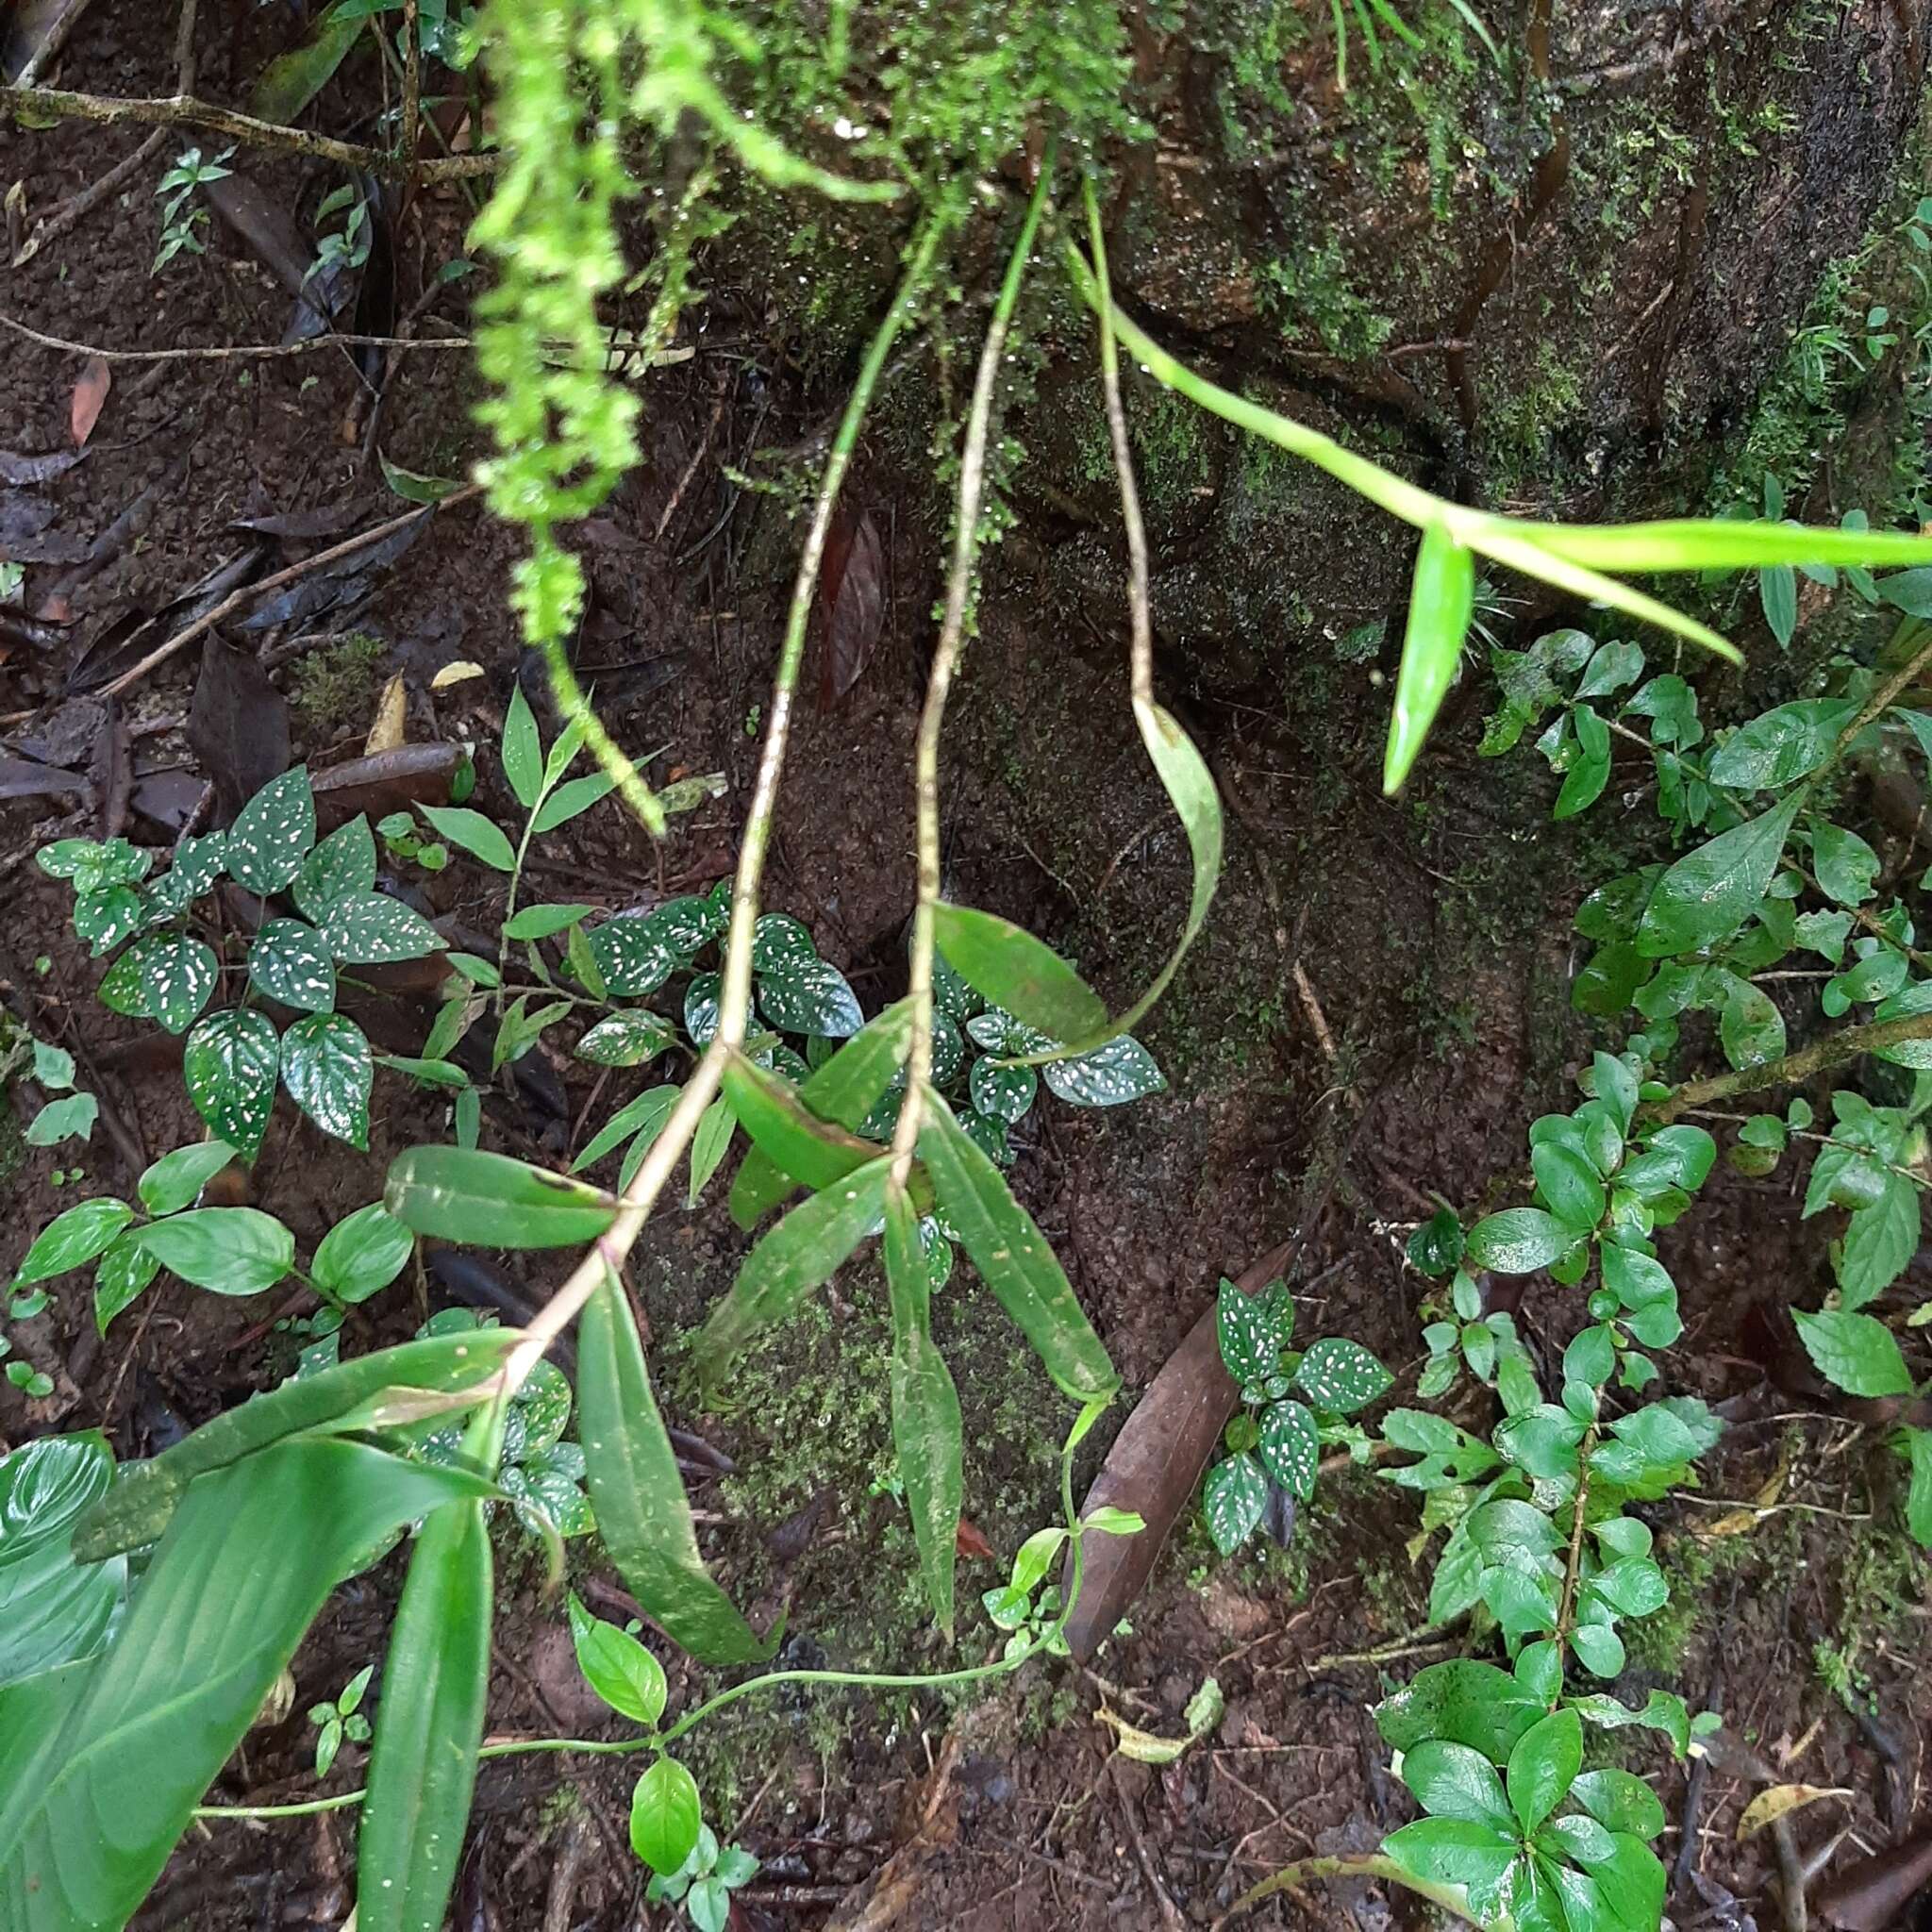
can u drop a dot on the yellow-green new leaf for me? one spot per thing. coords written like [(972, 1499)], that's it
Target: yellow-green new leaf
[(1013, 1257), (644, 1519), (1010, 968), (804, 1251), (1723, 543), (925, 1412), (423, 1763), (1441, 598)]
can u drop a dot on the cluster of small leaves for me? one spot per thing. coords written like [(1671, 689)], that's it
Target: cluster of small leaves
[(230, 1251), (339, 1720), (162, 970), (667, 1827), (541, 1474), (182, 216), (1026, 1606), (1514, 1821), (1457, 1333), (1275, 1445), (72, 1117)]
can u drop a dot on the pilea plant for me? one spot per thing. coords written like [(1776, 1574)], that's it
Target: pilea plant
[(1275, 1445), (573, 77)]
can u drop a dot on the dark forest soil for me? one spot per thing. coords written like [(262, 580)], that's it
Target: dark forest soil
[(1378, 1009)]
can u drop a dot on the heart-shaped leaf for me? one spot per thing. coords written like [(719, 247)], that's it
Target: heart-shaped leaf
[(272, 833), (229, 1067), (376, 930), (343, 866), (328, 1071), (1111, 1075), (807, 995), (290, 963)]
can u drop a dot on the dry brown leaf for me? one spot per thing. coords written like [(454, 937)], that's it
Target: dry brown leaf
[(1788, 1754), (1780, 1799), (970, 1541), (388, 733), (90, 395), (459, 673)]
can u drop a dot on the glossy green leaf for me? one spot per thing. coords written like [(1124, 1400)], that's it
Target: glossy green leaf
[(229, 1066), (328, 1072), (1470, 1702), (1109, 1075), (177, 977), (926, 1431), (1517, 1240), (1723, 543), (343, 866), (523, 749), (1782, 745), (470, 830), (643, 1519), (1439, 601), (665, 1813), (802, 1252), (633, 958), (272, 833), (106, 918), (139, 1506), (1233, 1499), (491, 1200), (1846, 866), (797, 1141), (627, 1039), (1709, 892), (72, 1239), (806, 995), (1342, 1376), (842, 1092), (1013, 1258), (53, 1610), (289, 962), (1291, 1447), (101, 1764), (291, 80), (1584, 782), (423, 1762), (542, 922), (710, 1139), (361, 1254), (227, 1250), (617, 1667), (124, 1273), (1543, 1764), (1569, 1184), (1451, 1781), (177, 1179), (1858, 1353), (1453, 1851), (373, 929), (1018, 972), (568, 801)]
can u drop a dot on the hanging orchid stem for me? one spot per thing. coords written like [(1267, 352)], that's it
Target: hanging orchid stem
[(946, 662), (608, 1256), (775, 1680)]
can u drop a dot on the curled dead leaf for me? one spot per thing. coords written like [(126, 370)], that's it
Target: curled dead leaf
[(1204, 1711), (389, 731), (90, 395), (459, 673), (1780, 1800)]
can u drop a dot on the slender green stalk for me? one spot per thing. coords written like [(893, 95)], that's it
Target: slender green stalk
[(860, 1680), (945, 661), (734, 1000)]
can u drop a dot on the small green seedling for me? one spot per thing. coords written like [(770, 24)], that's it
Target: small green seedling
[(340, 1722), (705, 1882), (183, 218)]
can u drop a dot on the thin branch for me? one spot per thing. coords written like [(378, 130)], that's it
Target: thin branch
[(248, 593), (73, 209), (606, 1256), (1834, 1050), (52, 40), (184, 110), (945, 659), (223, 351), (1880, 700), (1574, 1562), (412, 90), (1452, 1898), (184, 49)]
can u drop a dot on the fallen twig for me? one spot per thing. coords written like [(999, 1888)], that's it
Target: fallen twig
[(235, 599), (184, 110), (51, 42), (71, 211), (1170, 1913), (222, 352)]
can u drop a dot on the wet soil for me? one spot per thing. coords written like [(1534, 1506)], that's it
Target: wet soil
[(1378, 1009)]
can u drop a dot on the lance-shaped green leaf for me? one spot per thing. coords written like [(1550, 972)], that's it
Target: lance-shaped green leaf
[(802, 1252), (491, 1200), (926, 1430), (226, 1250), (84, 1232), (773, 1113), (1721, 543), (843, 1093), (480, 837), (523, 750), (666, 1815), (1709, 892), (1013, 970), (423, 1762), (643, 1519), (101, 1764), (135, 1510), (291, 80), (1441, 598), (1013, 1257)]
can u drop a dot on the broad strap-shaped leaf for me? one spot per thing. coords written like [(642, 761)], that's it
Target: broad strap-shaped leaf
[(102, 1765), (137, 1510), (423, 1762), (52, 1609), (491, 1200), (643, 1519), (1018, 972), (1013, 1257), (773, 1113), (926, 1430), (1441, 598), (802, 1253), (843, 1093)]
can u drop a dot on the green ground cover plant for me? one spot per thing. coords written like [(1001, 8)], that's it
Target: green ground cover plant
[(1541, 1556)]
